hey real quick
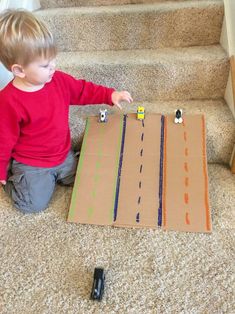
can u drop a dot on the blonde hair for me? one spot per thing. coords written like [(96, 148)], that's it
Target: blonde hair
[(23, 38)]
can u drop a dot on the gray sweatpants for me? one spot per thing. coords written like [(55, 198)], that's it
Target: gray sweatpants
[(31, 188)]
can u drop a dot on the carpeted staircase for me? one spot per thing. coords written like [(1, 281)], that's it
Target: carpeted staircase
[(167, 54)]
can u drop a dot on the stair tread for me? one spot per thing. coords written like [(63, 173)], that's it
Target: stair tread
[(216, 111), (219, 121), (128, 8), (148, 26), (81, 3), (148, 56), (163, 74)]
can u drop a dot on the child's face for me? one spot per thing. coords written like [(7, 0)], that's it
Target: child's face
[(40, 71)]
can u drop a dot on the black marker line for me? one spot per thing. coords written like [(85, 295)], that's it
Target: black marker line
[(161, 171), (138, 217), (120, 167)]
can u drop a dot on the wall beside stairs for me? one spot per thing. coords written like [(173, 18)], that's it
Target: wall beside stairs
[(228, 42), (31, 5)]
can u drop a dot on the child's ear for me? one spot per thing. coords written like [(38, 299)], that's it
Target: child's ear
[(17, 70)]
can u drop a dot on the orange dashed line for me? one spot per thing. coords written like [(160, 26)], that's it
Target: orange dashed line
[(185, 136), (164, 173), (186, 198), (186, 151), (205, 174), (186, 166), (186, 181), (187, 219)]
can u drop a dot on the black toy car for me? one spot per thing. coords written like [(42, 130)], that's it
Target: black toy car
[(98, 284)]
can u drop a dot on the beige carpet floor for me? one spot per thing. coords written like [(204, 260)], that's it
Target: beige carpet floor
[(47, 264)]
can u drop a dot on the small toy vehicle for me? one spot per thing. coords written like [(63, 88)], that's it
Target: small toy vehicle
[(103, 116), (140, 113), (98, 284), (178, 116)]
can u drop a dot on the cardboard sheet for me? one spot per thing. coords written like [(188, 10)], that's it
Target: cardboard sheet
[(139, 185), (185, 190), (145, 173)]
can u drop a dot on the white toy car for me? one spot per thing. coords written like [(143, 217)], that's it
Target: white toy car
[(103, 116)]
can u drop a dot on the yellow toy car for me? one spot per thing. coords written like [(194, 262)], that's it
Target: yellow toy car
[(140, 113)]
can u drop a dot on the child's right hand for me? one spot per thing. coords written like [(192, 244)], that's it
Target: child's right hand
[(3, 182), (117, 97)]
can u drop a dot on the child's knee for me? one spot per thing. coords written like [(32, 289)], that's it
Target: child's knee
[(30, 194), (31, 208), (32, 204)]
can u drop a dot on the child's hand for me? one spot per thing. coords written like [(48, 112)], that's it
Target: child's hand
[(3, 182), (117, 97)]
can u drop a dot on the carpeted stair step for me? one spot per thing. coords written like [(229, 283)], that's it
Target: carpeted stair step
[(219, 122), (163, 74), (149, 26), (74, 3)]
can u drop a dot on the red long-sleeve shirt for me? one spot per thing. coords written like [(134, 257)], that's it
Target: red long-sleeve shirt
[(34, 126)]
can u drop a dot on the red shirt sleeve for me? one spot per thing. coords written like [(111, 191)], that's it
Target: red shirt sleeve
[(86, 93), (9, 134)]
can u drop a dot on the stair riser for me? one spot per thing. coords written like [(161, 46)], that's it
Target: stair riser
[(74, 3), (197, 80), (219, 133), (127, 29)]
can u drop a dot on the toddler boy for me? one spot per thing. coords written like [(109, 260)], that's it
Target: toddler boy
[(34, 112)]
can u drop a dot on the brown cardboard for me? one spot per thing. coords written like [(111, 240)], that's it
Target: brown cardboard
[(143, 174), (93, 196), (139, 187), (185, 200)]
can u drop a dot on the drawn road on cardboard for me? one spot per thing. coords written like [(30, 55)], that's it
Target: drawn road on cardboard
[(123, 179), (185, 191), (139, 185), (95, 185)]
